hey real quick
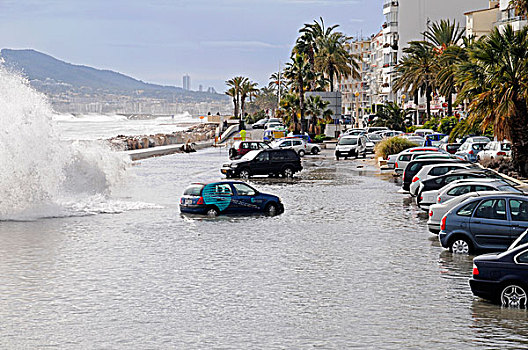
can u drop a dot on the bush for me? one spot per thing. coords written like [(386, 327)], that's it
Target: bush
[(411, 129), (393, 145), (320, 138)]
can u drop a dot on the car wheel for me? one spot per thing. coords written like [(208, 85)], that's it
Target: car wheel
[(212, 212), (271, 209), (302, 153), (244, 174), (357, 155), (287, 172), (315, 150), (460, 245), (513, 295), (337, 157)]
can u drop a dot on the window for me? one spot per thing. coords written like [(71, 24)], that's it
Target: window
[(285, 144), (506, 146), (244, 145), (483, 188), (459, 190), (244, 190), (450, 179), (492, 209), (405, 157), (223, 190), (297, 143), (441, 170), (467, 209), (519, 210), (522, 258), (279, 156), (194, 190), (263, 157), (254, 146)]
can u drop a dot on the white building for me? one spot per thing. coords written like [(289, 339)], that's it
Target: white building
[(480, 22), (355, 92), (508, 16)]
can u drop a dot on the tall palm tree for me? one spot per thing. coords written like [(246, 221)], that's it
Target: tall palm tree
[(311, 35), (248, 88), (393, 116), (495, 80), (290, 106), (446, 36), (416, 70), (334, 60), (236, 84), (298, 71), (232, 93)]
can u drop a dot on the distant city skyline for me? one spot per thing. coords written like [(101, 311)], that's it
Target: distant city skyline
[(159, 41)]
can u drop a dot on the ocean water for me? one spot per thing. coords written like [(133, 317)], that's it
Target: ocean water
[(89, 127)]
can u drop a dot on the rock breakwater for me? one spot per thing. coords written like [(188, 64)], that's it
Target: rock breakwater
[(196, 133)]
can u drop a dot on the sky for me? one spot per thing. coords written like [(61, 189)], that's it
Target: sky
[(159, 41)]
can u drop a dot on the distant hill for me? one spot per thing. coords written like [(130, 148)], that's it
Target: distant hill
[(53, 77)]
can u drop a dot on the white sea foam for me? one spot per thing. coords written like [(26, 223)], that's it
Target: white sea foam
[(43, 176)]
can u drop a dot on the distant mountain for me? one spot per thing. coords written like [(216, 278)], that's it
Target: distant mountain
[(55, 77)]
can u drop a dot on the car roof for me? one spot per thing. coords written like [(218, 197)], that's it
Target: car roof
[(351, 136)]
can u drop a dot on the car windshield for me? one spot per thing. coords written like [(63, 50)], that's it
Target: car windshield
[(506, 146), (348, 141), (374, 137), (250, 155), (193, 190)]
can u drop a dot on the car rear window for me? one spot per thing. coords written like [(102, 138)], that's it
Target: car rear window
[(283, 155), (506, 147), (405, 157), (193, 190)]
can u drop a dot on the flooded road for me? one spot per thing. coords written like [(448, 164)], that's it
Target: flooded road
[(350, 264)]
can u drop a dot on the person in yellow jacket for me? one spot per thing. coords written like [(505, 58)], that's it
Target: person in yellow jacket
[(243, 135)]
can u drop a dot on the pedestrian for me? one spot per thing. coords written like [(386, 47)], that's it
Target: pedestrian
[(428, 141), (224, 127), (243, 134)]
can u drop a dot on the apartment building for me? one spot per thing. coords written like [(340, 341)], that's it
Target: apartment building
[(480, 22), (508, 16)]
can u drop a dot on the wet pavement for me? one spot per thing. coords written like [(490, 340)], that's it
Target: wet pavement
[(350, 264)]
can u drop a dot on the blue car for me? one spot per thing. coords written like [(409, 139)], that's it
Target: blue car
[(228, 197), (503, 277), (469, 150), (487, 223)]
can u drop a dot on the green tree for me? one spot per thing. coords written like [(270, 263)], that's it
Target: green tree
[(318, 110), (392, 116), (521, 6), (247, 89), (290, 109), (495, 80), (236, 85), (298, 71), (334, 60), (446, 36), (416, 71)]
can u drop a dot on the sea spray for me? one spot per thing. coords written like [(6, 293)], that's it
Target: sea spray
[(42, 176)]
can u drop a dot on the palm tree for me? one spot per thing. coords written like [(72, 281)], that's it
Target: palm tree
[(232, 93), (298, 71), (334, 60), (495, 80), (415, 72), (236, 84), (446, 36), (248, 88), (290, 106), (311, 35), (318, 109), (393, 116)]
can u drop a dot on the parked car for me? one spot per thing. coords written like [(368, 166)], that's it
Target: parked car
[(484, 223), (296, 144), (349, 146), (495, 150), (430, 171), (437, 211), (391, 159), (423, 132), (371, 129), (464, 186), (260, 124), (439, 182), (228, 197), (390, 133), (476, 139), (273, 162), (450, 148), (240, 148), (311, 148), (274, 126), (416, 165), (353, 132), (370, 144), (406, 157), (468, 151), (503, 277), (375, 137)]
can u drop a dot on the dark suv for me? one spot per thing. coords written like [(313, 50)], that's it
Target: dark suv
[(242, 147), (273, 162)]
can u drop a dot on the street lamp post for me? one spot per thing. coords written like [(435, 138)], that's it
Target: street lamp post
[(357, 108)]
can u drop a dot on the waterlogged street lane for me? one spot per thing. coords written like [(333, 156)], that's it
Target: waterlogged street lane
[(349, 264)]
